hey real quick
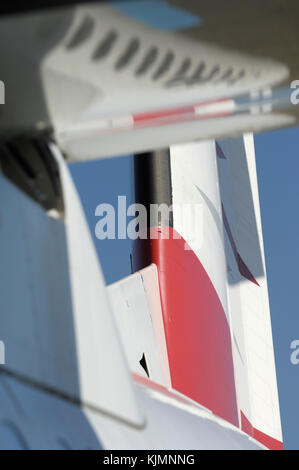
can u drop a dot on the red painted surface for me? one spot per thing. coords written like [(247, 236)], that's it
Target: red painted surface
[(267, 441), (181, 114), (246, 425), (196, 329), (184, 110)]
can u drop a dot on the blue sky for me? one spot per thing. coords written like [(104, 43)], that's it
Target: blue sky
[(277, 157), (103, 181)]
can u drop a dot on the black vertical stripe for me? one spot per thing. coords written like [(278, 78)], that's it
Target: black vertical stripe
[(148, 61), (164, 66), (180, 74), (105, 46), (128, 54), (82, 33)]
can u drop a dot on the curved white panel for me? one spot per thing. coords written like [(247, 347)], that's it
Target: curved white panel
[(137, 309)]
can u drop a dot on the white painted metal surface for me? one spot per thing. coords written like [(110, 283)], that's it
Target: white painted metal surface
[(56, 321), (195, 187), (79, 148), (99, 355), (137, 310), (33, 419), (248, 302)]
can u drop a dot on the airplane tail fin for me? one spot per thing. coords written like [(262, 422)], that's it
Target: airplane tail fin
[(208, 248)]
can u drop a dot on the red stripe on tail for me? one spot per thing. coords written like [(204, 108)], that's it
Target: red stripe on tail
[(196, 328)]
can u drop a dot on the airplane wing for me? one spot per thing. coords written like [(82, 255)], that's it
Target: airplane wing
[(104, 83)]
